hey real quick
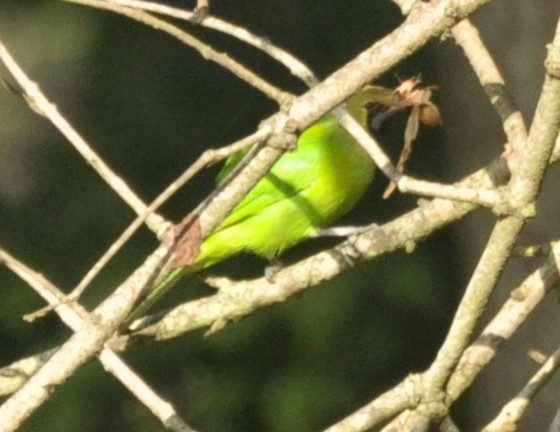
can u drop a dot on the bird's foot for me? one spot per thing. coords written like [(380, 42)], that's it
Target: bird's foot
[(201, 12), (271, 271), (351, 233), (344, 231)]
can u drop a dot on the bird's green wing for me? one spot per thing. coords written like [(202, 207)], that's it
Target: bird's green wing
[(292, 174)]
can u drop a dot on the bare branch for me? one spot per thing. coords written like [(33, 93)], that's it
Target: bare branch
[(235, 301), (292, 63), (227, 304), (528, 171), (207, 158), (85, 343), (486, 197), (428, 21), (513, 313), (491, 80), (73, 316), (512, 412), (401, 397), (40, 103), (205, 50)]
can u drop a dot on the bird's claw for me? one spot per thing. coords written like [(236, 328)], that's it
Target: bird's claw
[(272, 270), (345, 231)]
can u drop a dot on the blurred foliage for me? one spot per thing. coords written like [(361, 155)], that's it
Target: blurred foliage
[(150, 106)]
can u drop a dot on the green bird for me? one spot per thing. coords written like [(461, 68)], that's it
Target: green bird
[(306, 190)]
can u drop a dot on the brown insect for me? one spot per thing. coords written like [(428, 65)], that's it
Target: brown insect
[(410, 94)]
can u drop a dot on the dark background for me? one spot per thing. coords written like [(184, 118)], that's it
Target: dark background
[(150, 106)]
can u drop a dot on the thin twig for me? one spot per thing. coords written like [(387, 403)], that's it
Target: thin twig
[(555, 425), (223, 306), (511, 413), (468, 37), (205, 50), (531, 162), (490, 198), (202, 4), (159, 407), (207, 158), (40, 102), (73, 316), (491, 80), (524, 299), (411, 227), (292, 63), (485, 197), (533, 158), (243, 297), (431, 19), (401, 397), (90, 338)]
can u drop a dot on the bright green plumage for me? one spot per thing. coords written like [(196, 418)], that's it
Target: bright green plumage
[(306, 190)]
